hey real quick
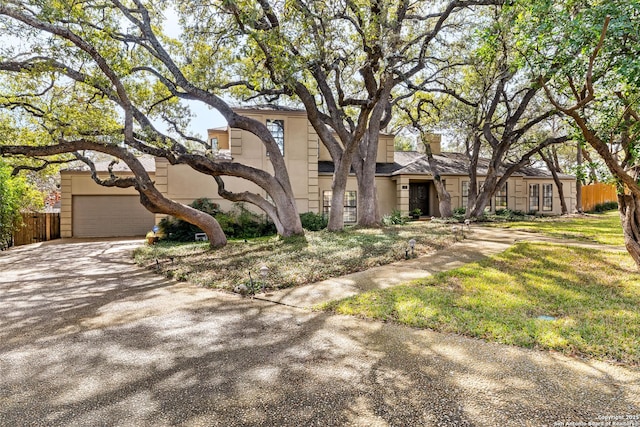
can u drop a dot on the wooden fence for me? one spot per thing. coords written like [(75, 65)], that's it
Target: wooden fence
[(596, 194), (37, 227)]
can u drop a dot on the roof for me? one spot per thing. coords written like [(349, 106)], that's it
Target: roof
[(415, 163), (456, 164), (385, 169), (148, 162), (269, 107)]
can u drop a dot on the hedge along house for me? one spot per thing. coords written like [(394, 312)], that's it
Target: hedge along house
[(403, 180)]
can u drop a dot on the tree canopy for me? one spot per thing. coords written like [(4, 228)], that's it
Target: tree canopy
[(16, 196), (99, 75)]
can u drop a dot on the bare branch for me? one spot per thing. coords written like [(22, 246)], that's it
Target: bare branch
[(45, 164)]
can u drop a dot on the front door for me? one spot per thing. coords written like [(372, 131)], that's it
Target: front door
[(419, 197)]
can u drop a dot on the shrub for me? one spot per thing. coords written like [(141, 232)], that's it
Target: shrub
[(507, 215), (604, 207), (206, 205), (394, 218), (247, 225), (239, 223), (178, 230), (459, 211), (313, 221)]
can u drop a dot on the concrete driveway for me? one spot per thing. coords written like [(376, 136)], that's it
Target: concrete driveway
[(89, 339)]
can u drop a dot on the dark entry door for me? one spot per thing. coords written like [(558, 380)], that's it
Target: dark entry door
[(419, 197)]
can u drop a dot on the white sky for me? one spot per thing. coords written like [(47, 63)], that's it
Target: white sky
[(205, 118)]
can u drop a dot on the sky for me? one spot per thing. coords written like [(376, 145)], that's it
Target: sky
[(205, 118)]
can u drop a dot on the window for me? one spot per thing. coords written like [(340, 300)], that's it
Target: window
[(547, 197), (534, 197), (276, 127), (501, 197), (214, 143), (350, 203), (465, 194)]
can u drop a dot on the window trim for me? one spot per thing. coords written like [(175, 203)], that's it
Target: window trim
[(545, 198), (349, 210), (498, 195), (464, 193), (535, 208), (278, 138)]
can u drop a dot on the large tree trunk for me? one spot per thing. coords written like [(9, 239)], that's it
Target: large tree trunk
[(472, 195), (629, 208), (444, 198), (154, 202), (553, 168), (365, 167), (342, 168), (368, 211), (482, 200), (336, 214), (365, 164), (579, 208)]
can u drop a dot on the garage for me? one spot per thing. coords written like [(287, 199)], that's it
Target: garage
[(110, 216)]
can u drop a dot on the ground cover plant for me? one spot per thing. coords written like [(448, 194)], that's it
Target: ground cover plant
[(294, 261), (577, 301), (601, 228)]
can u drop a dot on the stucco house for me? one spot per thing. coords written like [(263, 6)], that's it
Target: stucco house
[(403, 179)]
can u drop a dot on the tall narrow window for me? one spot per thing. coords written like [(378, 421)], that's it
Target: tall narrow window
[(276, 127), (465, 194), (534, 197), (547, 197), (214, 144), (501, 197), (350, 205)]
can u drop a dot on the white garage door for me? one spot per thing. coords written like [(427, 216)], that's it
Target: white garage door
[(110, 216)]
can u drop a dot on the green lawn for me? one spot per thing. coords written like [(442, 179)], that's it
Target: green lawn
[(296, 261), (600, 228), (593, 297)]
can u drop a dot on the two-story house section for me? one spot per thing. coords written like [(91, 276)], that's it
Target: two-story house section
[(403, 180)]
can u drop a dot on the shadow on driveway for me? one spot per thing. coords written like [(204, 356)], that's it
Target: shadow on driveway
[(89, 339)]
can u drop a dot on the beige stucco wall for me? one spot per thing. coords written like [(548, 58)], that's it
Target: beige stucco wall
[(568, 187), (384, 154), (78, 183), (183, 184), (222, 135), (385, 186)]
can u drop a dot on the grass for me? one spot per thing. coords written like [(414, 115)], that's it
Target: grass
[(592, 296), (599, 228), (294, 261), (577, 301)]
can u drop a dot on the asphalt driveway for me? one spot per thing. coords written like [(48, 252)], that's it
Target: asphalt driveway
[(89, 339)]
